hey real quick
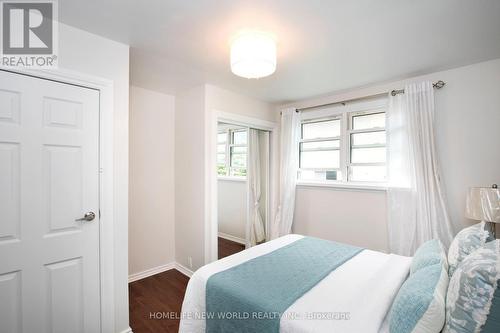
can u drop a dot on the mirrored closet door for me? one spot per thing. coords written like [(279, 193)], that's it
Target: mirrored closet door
[(242, 187)]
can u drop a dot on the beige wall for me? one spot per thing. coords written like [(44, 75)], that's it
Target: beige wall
[(190, 177), (468, 135), (151, 180), (468, 143), (348, 216), (218, 99), (232, 207), (86, 53)]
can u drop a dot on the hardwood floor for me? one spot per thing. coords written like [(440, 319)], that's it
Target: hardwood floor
[(155, 302), (227, 247)]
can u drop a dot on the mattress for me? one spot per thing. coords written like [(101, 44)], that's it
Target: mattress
[(355, 297)]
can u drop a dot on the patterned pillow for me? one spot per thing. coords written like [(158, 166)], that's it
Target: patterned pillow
[(420, 303), (430, 253), (473, 300), (465, 242)]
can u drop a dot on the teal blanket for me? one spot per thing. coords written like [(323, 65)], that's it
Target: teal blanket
[(252, 296)]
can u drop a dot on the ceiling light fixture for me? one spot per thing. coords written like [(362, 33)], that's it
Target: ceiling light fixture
[(253, 54)]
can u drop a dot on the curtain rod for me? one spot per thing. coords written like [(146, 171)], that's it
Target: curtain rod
[(438, 85)]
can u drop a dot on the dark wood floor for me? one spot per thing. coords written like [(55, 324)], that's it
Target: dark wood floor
[(227, 247), (155, 302)]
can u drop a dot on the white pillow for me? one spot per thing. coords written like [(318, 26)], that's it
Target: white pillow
[(465, 242)]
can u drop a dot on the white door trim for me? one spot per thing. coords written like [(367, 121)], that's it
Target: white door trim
[(211, 225), (106, 239)]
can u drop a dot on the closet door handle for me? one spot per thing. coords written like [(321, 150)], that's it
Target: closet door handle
[(88, 217)]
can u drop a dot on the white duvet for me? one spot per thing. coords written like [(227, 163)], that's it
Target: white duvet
[(353, 298)]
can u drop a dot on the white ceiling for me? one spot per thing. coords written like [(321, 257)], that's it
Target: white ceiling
[(323, 46)]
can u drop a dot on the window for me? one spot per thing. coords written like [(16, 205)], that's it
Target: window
[(346, 147), (367, 150), (232, 153), (320, 150)]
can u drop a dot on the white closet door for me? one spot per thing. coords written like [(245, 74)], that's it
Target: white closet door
[(49, 178)]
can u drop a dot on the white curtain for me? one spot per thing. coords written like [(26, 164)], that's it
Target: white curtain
[(289, 161), (256, 229), (415, 199)]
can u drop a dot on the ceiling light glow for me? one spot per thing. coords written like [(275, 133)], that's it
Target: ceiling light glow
[(253, 54)]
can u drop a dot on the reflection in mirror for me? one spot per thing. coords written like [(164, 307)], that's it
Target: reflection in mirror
[(242, 185)]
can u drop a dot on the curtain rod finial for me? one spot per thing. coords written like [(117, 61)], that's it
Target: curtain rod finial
[(440, 84)]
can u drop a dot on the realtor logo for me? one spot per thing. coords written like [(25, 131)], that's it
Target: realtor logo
[(29, 33)]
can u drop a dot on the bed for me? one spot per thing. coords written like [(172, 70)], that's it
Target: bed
[(354, 296)]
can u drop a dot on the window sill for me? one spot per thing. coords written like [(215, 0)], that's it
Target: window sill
[(345, 186), (232, 179)]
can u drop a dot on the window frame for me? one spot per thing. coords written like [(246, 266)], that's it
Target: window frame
[(350, 131), (229, 144), (345, 112), (226, 151)]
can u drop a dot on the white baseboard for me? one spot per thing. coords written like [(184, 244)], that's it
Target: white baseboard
[(157, 270), (151, 271), (183, 270), (232, 238), (128, 330)]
